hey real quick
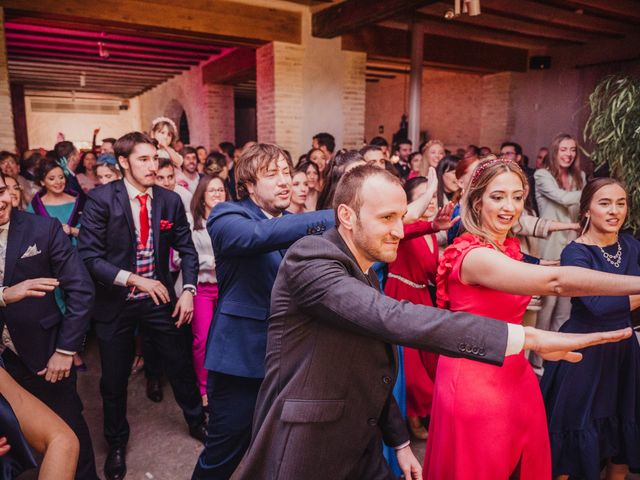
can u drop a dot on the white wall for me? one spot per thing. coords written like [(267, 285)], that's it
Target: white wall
[(43, 127)]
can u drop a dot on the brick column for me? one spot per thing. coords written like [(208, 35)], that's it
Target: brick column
[(279, 95), (221, 114), (497, 114), (7, 133), (353, 99)]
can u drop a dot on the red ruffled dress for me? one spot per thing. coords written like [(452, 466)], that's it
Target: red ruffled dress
[(411, 272), (487, 422)]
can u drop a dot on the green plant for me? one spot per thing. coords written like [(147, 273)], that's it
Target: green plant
[(614, 129)]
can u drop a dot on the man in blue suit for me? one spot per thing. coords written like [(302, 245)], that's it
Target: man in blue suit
[(249, 239), (38, 339), (128, 227)]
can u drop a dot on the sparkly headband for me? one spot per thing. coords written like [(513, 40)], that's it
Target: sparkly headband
[(157, 120), (489, 163)]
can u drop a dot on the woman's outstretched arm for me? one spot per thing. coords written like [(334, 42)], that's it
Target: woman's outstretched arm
[(44, 430)]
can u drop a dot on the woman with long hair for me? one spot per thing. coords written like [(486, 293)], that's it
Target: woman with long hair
[(210, 192), (54, 200), (85, 172), (432, 153), (558, 188), (344, 161), (593, 407), (15, 191), (312, 171), (448, 184), (299, 190), (486, 419)]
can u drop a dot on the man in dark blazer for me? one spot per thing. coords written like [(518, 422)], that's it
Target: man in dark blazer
[(128, 227), (249, 240), (326, 402), (38, 340)]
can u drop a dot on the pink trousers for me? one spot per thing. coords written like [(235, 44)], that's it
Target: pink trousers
[(204, 304)]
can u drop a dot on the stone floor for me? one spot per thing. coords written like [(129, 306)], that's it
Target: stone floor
[(160, 447)]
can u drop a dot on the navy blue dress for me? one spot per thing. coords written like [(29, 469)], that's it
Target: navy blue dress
[(593, 407), (19, 458)]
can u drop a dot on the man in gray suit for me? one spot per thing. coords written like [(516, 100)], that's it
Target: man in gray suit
[(326, 402)]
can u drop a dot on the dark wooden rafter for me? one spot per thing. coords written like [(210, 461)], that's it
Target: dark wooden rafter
[(624, 11), (235, 67), (351, 15), (502, 24), (383, 42)]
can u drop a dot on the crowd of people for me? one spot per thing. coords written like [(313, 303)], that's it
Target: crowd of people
[(312, 315)]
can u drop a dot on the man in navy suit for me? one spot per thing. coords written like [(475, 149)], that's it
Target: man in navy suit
[(38, 340), (249, 239), (128, 227)]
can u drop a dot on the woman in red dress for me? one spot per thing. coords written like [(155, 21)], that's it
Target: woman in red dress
[(409, 278), (489, 422)]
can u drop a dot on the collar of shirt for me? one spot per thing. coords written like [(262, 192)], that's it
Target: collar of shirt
[(133, 192), (269, 216), (4, 230)]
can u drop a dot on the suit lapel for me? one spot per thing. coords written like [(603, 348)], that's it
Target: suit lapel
[(125, 204), (14, 244)]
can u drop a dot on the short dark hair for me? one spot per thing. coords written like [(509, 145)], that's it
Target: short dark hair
[(164, 163), (350, 185), (110, 140), (228, 149), (516, 147), (379, 141), (326, 139), (64, 149), (403, 141), (370, 148), (254, 158), (4, 154), (214, 163), (126, 143), (411, 184), (187, 150)]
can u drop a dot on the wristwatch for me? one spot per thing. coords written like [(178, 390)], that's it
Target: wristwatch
[(190, 290)]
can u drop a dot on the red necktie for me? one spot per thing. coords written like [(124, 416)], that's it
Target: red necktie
[(144, 219)]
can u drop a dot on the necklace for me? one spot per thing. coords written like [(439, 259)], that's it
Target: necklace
[(612, 259)]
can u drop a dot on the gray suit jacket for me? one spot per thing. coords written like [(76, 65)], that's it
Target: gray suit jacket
[(330, 366)]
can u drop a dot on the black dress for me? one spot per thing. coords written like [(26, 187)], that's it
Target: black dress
[(593, 407)]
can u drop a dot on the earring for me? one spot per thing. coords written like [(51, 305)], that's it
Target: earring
[(586, 225)]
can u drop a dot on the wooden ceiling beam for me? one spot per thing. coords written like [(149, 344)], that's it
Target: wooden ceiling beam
[(446, 28), (383, 42), (99, 64), (526, 9), (511, 25), (222, 18), (235, 67), (117, 93), (621, 10), (108, 45), (43, 68), (114, 62), (93, 52), (76, 78), (352, 15)]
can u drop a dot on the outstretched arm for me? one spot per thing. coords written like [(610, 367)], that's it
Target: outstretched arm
[(44, 430)]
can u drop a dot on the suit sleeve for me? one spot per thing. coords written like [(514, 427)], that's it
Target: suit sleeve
[(234, 233), (325, 290), (77, 287), (392, 425), (183, 244), (92, 242)]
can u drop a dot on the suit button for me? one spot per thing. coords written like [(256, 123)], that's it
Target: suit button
[(462, 347), (481, 352), (386, 379), (309, 231), (475, 350), (468, 349), (372, 421)]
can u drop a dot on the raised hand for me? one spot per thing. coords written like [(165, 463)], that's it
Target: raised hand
[(443, 220), (556, 346)]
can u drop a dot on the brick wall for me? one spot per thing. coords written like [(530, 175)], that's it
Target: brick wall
[(7, 137), (353, 99), (265, 94), (221, 113), (457, 108), (497, 118)]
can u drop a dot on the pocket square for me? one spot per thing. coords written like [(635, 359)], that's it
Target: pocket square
[(165, 225), (32, 251)]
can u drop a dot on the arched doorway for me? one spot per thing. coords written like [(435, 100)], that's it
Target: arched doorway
[(175, 111)]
